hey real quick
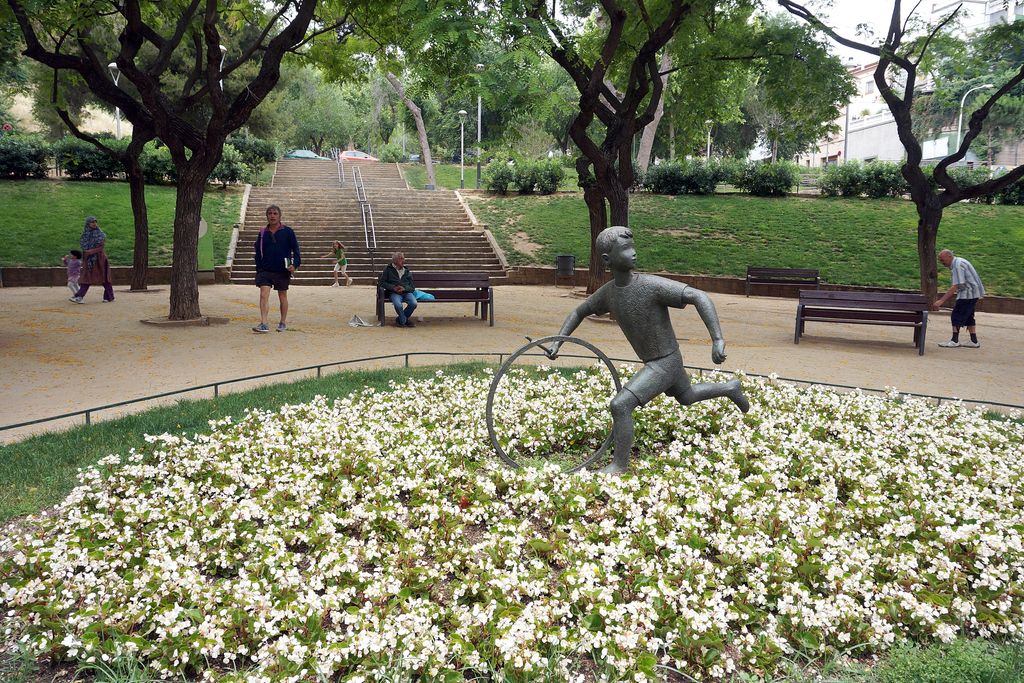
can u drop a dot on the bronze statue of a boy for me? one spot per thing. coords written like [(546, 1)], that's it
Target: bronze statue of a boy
[(640, 304)]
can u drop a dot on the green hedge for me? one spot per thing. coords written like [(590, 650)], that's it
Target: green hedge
[(255, 151), (527, 177), (23, 156), (80, 159), (879, 179), (884, 179), (683, 177), (390, 153), (768, 179), (232, 168)]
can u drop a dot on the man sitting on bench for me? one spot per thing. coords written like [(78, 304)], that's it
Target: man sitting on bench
[(397, 281)]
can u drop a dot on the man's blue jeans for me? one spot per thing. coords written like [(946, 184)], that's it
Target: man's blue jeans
[(410, 305)]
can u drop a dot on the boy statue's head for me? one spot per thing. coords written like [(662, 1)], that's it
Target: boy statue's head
[(615, 245)]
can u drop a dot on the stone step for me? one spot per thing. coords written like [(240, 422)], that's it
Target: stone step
[(431, 227), (313, 214)]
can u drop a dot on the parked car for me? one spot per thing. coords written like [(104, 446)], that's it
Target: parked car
[(356, 155), (303, 154)]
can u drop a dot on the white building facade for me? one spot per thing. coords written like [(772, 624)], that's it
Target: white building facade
[(867, 131)]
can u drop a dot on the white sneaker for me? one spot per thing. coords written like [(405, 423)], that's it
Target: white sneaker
[(949, 344), (76, 299), (970, 344), (336, 285)]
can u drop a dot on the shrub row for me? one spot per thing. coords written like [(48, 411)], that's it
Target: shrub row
[(28, 156), (697, 176), (23, 156), (689, 176), (527, 177), (876, 179), (879, 179)]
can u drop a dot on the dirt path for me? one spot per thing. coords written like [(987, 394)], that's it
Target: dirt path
[(59, 357)]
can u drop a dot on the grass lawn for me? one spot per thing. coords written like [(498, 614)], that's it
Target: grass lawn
[(852, 241), (40, 237)]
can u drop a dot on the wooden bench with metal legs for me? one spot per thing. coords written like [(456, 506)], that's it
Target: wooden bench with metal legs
[(448, 287), (867, 308)]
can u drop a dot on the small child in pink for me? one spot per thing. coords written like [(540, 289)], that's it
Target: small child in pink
[(73, 262)]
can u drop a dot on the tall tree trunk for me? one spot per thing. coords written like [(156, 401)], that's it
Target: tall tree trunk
[(137, 187), (929, 215), (598, 222), (140, 254), (421, 130), (643, 156), (187, 212), (618, 203), (594, 200)]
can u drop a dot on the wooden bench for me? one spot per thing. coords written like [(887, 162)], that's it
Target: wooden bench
[(868, 308), (802, 277), (473, 288)]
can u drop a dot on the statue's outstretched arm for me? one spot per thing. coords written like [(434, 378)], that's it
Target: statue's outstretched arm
[(706, 309), (572, 321)]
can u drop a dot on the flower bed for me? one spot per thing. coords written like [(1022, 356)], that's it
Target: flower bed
[(378, 533)]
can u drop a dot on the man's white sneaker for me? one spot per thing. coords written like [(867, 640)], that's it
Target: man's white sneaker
[(971, 345), (336, 285), (949, 344)]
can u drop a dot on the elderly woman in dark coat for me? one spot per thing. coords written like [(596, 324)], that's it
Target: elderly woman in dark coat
[(95, 267)]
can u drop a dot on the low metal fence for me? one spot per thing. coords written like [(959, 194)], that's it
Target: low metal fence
[(88, 413)]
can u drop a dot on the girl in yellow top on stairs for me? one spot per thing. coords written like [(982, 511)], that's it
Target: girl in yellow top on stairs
[(341, 263)]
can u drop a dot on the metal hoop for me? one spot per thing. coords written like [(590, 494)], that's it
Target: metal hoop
[(505, 458)]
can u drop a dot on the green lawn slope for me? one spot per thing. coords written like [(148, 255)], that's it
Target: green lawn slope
[(852, 241), (45, 220)]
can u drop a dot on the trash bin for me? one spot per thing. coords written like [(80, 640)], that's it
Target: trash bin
[(204, 254), (565, 265)]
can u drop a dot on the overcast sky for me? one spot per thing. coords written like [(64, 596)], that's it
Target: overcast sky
[(845, 15)]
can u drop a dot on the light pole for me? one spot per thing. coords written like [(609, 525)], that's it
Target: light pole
[(960, 119), (710, 125), (115, 74), (479, 124), (223, 54), (462, 148)]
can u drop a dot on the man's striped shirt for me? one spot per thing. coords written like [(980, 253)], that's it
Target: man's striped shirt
[(965, 277)]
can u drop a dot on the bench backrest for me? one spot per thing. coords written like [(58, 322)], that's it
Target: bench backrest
[(783, 273), (442, 280), (446, 279), (885, 301)]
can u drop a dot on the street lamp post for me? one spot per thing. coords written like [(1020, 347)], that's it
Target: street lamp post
[(710, 125), (479, 124), (462, 148), (960, 119), (115, 73), (223, 54)]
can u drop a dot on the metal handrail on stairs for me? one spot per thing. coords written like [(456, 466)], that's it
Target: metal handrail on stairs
[(369, 231)]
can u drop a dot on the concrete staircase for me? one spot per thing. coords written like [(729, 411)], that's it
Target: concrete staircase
[(377, 175), (430, 227), (305, 173)]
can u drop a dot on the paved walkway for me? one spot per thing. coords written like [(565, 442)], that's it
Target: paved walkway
[(57, 357)]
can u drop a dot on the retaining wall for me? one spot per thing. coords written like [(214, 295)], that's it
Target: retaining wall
[(537, 275), (531, 275)]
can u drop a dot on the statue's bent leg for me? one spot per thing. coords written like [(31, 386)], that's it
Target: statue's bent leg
[(622, 407), (732, 390)]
